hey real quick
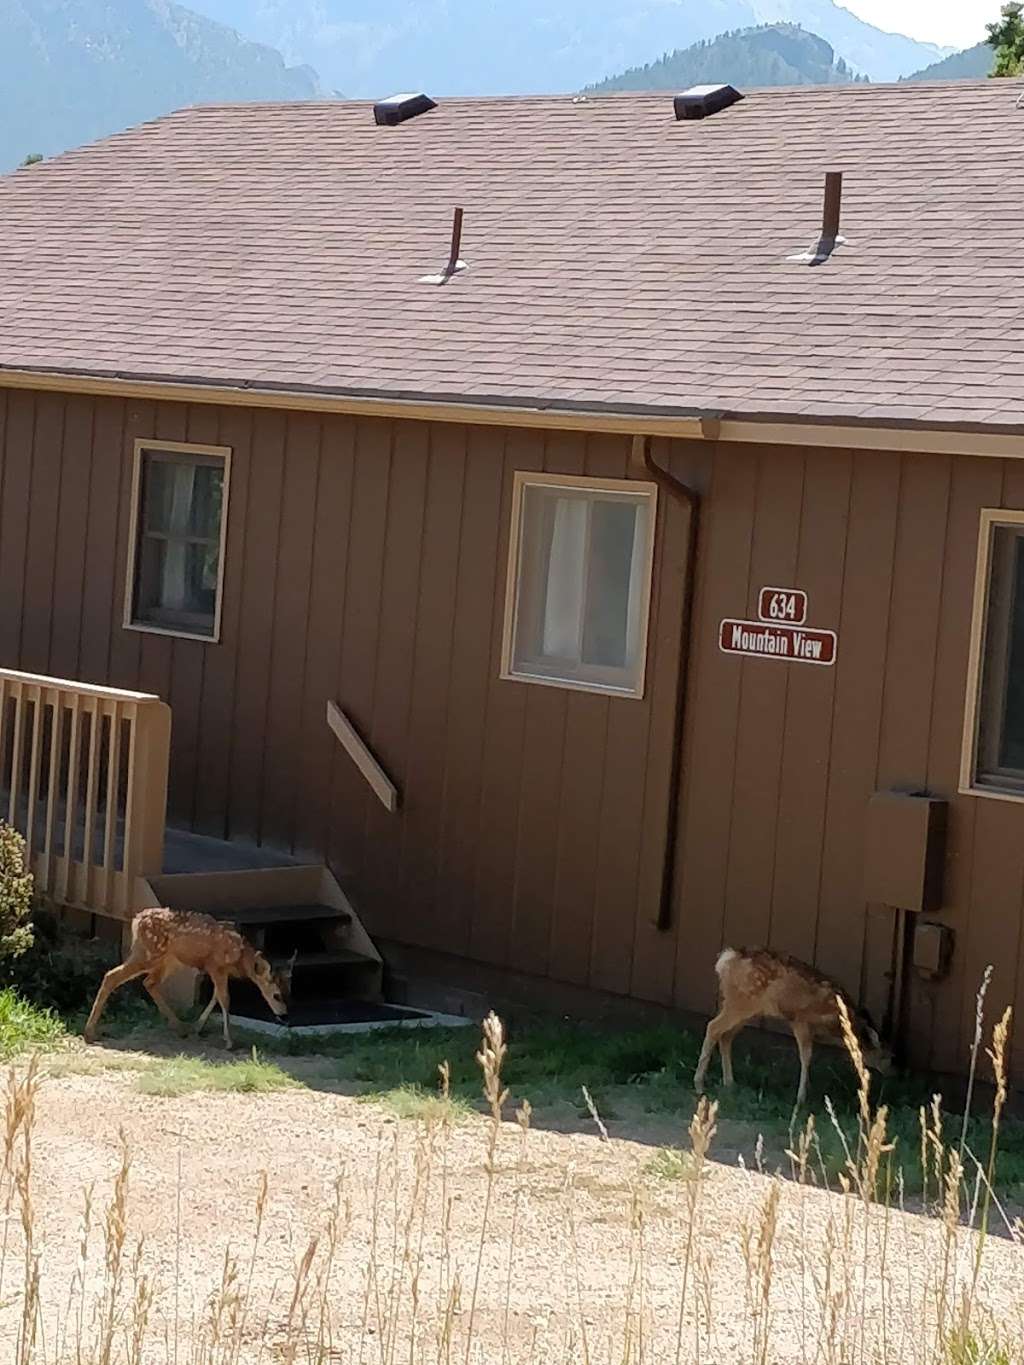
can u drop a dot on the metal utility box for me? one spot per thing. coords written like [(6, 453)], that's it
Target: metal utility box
[(904, 852), (933, 949)]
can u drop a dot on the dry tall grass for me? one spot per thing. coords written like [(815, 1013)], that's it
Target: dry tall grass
[(868, 1284)]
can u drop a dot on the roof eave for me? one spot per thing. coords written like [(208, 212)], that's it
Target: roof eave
[(1002, 440)]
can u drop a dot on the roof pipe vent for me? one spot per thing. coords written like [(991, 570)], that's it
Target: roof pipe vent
[(830, 236), (702, 100), (397, 108)]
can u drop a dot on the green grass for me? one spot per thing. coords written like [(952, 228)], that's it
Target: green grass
[(27, 1028), (187, 1075), (414, 1102), (643, 1074), (672, 1163)]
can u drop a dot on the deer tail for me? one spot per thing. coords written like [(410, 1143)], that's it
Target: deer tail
[(726, 956)]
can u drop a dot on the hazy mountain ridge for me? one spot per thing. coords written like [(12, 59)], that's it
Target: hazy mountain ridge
[(453, 47), (772, 54), (970, 64), (75, 70)]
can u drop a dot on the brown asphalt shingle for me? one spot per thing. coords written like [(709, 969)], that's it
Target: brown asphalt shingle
[(616, 257)]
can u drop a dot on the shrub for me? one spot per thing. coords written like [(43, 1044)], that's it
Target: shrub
[(61, 970), (16, 894)]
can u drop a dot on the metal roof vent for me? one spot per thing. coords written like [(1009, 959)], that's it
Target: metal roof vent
[(702, 100), (397, 108)]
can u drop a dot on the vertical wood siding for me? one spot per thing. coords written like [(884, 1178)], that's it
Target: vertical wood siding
[(366, 564)]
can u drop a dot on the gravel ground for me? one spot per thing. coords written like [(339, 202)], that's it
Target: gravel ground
[(600, 1243)]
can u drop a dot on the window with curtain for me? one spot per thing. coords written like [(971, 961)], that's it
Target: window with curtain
[(178, 543), (1000, 709), (580, 582)]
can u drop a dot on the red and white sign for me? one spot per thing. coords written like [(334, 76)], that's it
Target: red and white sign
[(786, 605), (766, 640)]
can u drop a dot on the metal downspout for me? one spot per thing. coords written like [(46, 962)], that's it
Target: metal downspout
[(681, 492)]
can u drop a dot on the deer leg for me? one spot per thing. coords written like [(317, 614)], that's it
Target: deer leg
[(117, 976), (804, 1036), (210, 1007), (725, 1052), (722, 1024), (220, 989), (152, 985)]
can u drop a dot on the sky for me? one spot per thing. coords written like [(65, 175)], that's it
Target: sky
[(952, 23)]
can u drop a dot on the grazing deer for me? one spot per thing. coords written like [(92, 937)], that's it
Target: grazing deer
[(756, 983), (163, 940)]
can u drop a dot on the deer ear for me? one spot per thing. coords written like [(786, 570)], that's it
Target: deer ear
[(291, 962)]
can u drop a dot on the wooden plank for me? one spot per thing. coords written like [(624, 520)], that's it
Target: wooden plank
[(764, 688), (573, 905), (909, 674), (481, 577), (189, 659), (19, 433), (619, 730), (377, 779), (41, 550), (220, 662), (810, 710), (393, 674), (500, 790), (256, 624), (722, 586), (331, 531), (857, 712), (282, 784), (107, 653), (156, 652), (936, 1009), (362, 623), (542, 772), (70, 566), (654, 946), (423, 789), (140, 422)]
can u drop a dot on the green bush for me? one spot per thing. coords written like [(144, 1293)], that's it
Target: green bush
[(61, 970), (16, 895)]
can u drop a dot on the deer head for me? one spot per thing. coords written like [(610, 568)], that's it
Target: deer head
[(275, 987), (877, 1055)]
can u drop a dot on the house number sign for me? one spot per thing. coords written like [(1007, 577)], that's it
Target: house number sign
[(779, 632)]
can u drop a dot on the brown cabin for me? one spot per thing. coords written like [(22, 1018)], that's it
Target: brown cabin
[(636, 571)]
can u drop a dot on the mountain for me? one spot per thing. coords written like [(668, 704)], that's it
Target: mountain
[(481, 47), (74, 70), (970, 64), (773, 54)]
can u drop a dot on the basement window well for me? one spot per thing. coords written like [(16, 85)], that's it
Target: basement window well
[(993, 756), (579, 582), (179, 519)]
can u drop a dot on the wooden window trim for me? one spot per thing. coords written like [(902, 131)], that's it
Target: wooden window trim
[(991, 519), (592, 681), (180, 448)]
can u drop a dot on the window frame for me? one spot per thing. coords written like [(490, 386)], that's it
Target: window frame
[(582, 484), (992, 518), (185, 449)]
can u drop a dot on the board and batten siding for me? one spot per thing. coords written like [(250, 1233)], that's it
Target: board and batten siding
[(366, 564)]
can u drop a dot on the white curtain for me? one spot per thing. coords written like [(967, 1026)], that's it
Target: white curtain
[(174, 586), (564, 590)]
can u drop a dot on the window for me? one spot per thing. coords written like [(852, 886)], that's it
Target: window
[(994, 736), (579, 582), (179, 520)]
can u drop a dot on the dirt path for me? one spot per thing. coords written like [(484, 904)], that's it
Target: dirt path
[(598, 1245)]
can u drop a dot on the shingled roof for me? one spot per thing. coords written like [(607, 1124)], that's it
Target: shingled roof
[(617, 259)]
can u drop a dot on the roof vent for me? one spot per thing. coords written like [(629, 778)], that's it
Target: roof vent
[(397, 108), (701, 100)]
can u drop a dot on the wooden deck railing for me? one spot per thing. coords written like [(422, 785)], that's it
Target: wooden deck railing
[(83, 776)]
